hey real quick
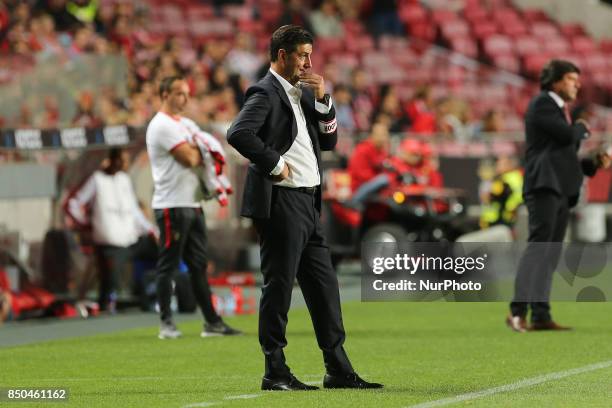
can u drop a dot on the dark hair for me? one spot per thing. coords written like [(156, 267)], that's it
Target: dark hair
[(288, 37), (166, 84), (554, 71), (115, 154)]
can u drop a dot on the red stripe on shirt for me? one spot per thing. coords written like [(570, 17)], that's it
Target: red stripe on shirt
[(177, 145), (168, 231)]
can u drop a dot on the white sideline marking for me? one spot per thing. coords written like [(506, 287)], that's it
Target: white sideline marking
[(528, 382), (201, 405), (244, 396)]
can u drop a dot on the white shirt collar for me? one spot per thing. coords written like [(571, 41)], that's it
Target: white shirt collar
[(289, 89), (557, 99)]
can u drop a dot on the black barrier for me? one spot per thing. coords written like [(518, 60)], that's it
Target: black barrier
[(482, 272), (68, 138)]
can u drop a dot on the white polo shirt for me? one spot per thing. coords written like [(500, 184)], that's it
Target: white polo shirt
[(175, 184)]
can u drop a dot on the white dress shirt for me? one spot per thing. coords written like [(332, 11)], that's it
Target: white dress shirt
[(301, 156), (557, 99)]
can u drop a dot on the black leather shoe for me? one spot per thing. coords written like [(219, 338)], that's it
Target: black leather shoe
[(285, 384), (351, 380)]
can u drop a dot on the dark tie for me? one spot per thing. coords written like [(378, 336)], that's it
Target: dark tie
[(568, 117)]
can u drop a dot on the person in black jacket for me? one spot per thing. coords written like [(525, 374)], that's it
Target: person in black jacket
[(286, 121), (553, 178)]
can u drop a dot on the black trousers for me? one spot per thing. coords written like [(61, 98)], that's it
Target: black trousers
[(111, 262), (548, 218), (293, 245), (183, 237)]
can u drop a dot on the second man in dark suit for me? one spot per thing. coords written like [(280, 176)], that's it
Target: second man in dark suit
[(553, 178), (286, 121)]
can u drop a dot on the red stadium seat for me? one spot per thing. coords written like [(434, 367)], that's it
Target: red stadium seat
[(464, 45), (498, 44), (218, 27), (412, 13), (456, 28), (572, 30), (597, 62), (443, 16), (329, 45), (513, 28), (606, 45), (544, 29), (484, 28), (507, 62), (422, 30), (534, 15), (532, 64), (375, 59), (555, 45), (359, 43), (583, 44), (527, 45), (475, 14)]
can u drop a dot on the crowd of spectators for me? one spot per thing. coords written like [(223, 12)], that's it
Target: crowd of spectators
[(218, 70)]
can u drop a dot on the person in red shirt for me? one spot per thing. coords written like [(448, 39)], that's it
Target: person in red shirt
[(421, 113), (366, 165), (414, 157)]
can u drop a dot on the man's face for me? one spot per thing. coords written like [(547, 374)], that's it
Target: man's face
[(380, 136), (567, 88), (178, 96), (297, 62)]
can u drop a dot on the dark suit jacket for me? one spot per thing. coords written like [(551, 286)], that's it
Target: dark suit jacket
[(551, 157), (265, 129)]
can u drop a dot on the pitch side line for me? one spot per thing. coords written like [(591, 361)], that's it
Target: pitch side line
[(528, 382)]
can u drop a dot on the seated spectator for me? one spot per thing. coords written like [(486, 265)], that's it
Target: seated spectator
[(413, 162), (367, 165), (454, 117), (51, 115), (85, 115), (82, 42), (49, 43), (325, 21), (420, 112), (384, 18), (62, 19), (390, 105), (362, 100), (242, 59), (492, 122), (344, 111), (295, 13)]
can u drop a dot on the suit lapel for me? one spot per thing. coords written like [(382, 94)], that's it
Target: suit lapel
[(280, 90), (550, 98)]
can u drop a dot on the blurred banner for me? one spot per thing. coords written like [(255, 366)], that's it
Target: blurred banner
[(68, 138), (486, 272), (51, 94)]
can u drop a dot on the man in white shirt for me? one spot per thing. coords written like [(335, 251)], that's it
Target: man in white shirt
[(286, 121), (179, 216), (118, 224)]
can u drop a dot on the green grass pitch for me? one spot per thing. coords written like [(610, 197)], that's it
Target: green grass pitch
[(420, 351)]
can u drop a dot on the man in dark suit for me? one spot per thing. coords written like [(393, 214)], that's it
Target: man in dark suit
[(286, 121), (553, 178)]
